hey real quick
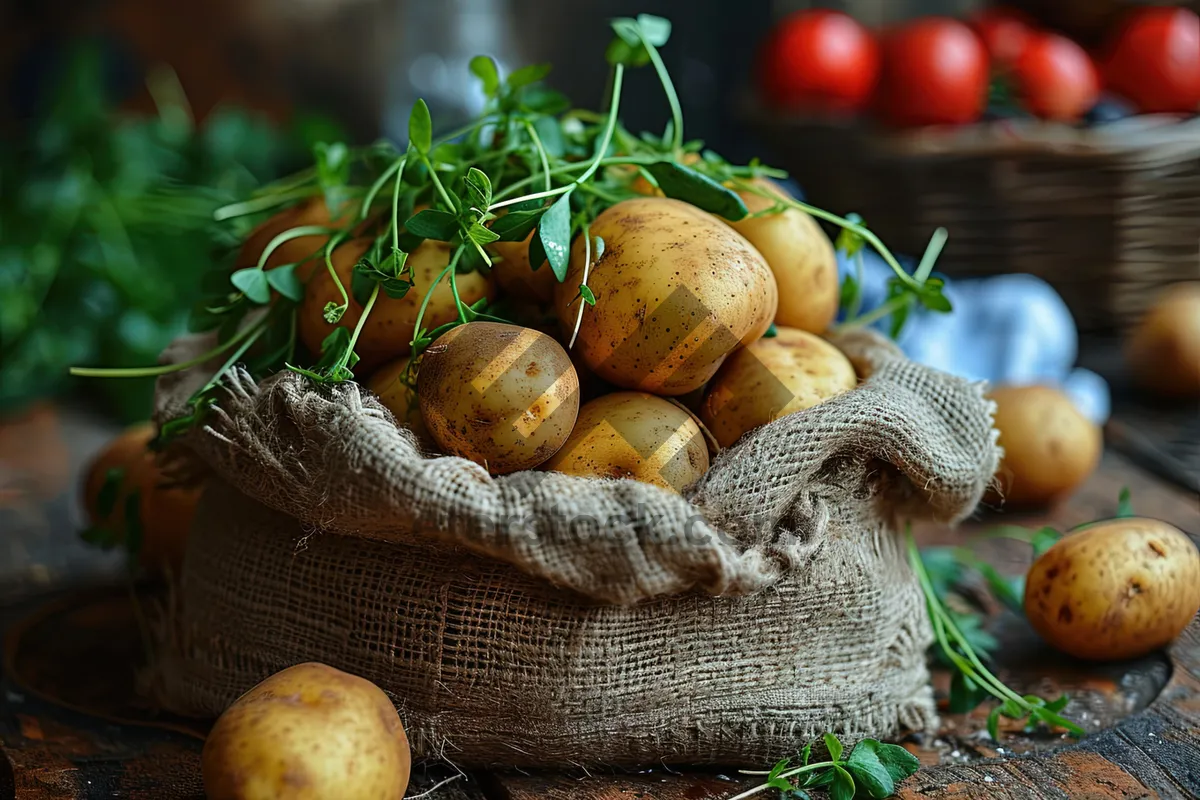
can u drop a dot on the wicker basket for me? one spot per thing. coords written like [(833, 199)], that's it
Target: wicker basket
[(1107, 215)]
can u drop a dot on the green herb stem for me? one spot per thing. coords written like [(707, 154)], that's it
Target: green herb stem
[(537, 143), (362, 320), (791, 773), (672, 98), (429, 294), (437, 184), (859, 274), (395, 168), (255, 205), (882, 311), (166, 369), (396, 206)]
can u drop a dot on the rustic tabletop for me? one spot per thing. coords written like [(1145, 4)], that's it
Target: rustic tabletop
[(72, 726)]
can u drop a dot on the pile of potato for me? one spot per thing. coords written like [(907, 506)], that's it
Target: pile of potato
[(623, 388)]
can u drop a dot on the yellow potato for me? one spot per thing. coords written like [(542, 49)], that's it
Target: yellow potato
[(398, 397), (310, 732), (800, 256), (638, 436), (1164, 352), (501, 395), (772, 378), (164, 512), (1117, 589), (1049, 447), (676, 292), (389, 329), (516, 276)]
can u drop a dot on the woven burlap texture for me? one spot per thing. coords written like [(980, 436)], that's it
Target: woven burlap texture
[(540, 619)]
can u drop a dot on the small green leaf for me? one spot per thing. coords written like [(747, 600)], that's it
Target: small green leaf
[(682, 183), (779, 767), (542, 100), (1043, 540), (849, 291), (283, 280), (898, 318), (1125, 503), (834, 746), (993, 724), (484, 68), (332, 313), (655, 30), (897, 761), (478, 189), (586, 295), (481, 235), (253, 283), (531, 73), (806, 754), (842, 787), (1055, 706), (772, 331), (869, 771), (554, 233), (965, 694), (849, 241), (420, 127), (434, 224), (550, 133), (106, 501), (516, 225), (932, 298)]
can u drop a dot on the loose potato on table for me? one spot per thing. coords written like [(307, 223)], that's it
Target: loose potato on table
[(801, 257), (164, 513), (310, 732), (398, 397), (501, 395), (1164, 352), (1117, 589), (772, 378), (389, 329), (638, 436), (1049, 447), (676, 290)]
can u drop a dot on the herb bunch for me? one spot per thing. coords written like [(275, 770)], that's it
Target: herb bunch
[(871, 769), (530, 165)]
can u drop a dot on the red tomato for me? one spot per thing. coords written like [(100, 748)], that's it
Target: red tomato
[(1005, 32), (1056, 78), (819, 60), (935, 72), (1154, 60)]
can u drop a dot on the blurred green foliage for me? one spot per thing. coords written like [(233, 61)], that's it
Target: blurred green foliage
[(106, 228)]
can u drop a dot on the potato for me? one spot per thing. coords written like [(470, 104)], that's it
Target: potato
[(1164, 351), (1114, 590), (303, 250), (310, 732), (164, 513), (516, 276), (501, 395), (772, 378), (800, 256), (635, 435), (1049, 447), (676, 292), (398, 397), (389, 329)]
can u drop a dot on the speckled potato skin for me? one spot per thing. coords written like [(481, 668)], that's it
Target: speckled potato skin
[(1115, 590), (389, 328), (676, 292), (516, 276), (504, 396), (772, 378), (801, 257), (638, 436), (1164, 352), (398, 397), (1049, 447), (310, 732)]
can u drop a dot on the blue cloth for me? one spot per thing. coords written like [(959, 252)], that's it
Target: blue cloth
[(1007, 329)]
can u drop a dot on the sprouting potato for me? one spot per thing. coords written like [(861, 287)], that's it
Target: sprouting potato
[(676, 292), (1164, 351), (501, 395), (309, 732), (1116, 589), (772, 378), (638, 436), (1050, 448), (388, 331), (398, 397), (801, 257)]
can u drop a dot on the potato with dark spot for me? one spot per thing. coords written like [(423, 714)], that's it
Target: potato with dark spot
[(1164, 352), (501, 395), (772, 378), (676, 290), (310, 732), (389, 329), (800, 256), (1116, 589), (398, 397), (1050, 448), (637, 436)]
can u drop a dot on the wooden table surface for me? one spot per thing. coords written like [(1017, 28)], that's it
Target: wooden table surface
[(71, 725)]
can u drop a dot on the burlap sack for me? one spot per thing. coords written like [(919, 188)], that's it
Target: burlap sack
[(540, 619)]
